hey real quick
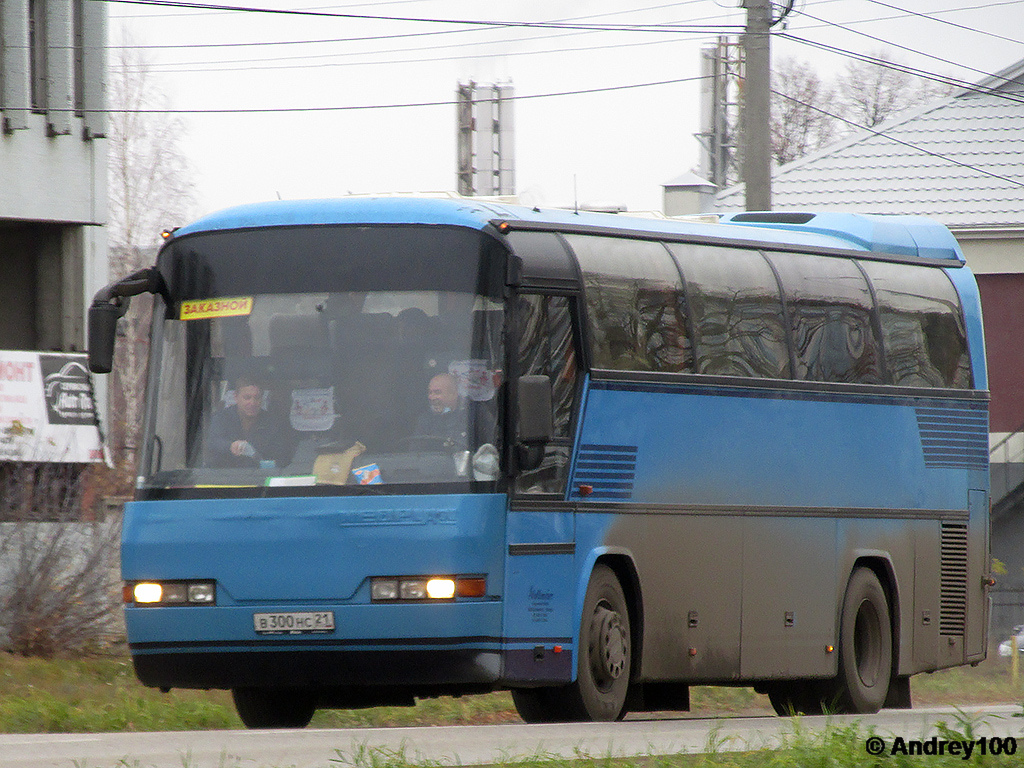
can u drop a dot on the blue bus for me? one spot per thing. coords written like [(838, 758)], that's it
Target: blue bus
[(401, 448)]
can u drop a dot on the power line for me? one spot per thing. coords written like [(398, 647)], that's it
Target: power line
[(672, 27), (401, 35), (907, 69), (895, 45), (408, 105), (248, 62), (945, 21)]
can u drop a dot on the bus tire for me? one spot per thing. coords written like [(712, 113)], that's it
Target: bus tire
[(273, 708), (605, 659), (539, 705), (865, 645), (798, 697)]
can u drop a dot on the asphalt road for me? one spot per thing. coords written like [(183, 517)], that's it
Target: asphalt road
[(480, 744)]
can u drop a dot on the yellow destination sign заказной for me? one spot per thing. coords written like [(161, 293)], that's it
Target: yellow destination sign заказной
[(202, 309)]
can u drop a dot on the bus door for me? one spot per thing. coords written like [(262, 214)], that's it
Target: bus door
[(540, 574)]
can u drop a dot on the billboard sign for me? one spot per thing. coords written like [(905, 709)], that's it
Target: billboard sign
[(47, 410)]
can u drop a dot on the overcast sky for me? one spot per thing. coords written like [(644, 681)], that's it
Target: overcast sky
[(605, 147)]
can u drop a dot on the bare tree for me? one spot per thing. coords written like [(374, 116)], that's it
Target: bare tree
[(809, 112), (870, 93), (800, 122), (150, 180), (150, 188), (59, 589)]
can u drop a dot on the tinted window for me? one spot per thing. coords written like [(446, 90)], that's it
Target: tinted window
[(922, 326), (736, 310), (829, 305), (635, 304)]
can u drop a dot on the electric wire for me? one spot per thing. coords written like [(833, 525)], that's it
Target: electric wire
[(965, 85), (892, 65), (406, 105), (954, 24), (247, 65), (395, 36), (506, 24)]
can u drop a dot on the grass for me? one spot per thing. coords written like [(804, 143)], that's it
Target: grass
[(102, 694)]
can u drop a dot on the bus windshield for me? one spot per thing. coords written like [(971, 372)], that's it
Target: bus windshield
[(364, 388), (332, 389)]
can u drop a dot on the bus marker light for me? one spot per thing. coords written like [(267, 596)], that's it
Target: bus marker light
[(693, 651), (829, 648), (148, 592), (441, 589), (557, 649), (471, 587)]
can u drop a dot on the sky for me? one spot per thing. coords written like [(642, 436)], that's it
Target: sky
[(606, 136)]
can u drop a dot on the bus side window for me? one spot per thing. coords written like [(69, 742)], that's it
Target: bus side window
[(737, 311), (546, 349), (635, 305), (829, 307), (922, 326)]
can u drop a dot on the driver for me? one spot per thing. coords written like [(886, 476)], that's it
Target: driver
[(243, 434), (445, 421)]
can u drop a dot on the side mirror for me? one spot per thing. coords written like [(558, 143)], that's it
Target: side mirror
[(103, 318), (108, 305)]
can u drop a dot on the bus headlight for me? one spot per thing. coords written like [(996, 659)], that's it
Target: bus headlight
[(387, 589), (152, 593)]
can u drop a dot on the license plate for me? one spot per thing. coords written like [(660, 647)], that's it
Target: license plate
[(297, 623)]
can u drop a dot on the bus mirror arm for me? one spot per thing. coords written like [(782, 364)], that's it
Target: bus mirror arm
[(108, 306), (536, 422)]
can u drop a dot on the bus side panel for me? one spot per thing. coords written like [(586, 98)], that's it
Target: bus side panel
[(790, 577), (803, 483)]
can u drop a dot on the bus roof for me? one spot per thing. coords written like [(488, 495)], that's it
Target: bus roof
[(903, 236)]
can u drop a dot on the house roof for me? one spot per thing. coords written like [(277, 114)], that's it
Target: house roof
[(959, 160)]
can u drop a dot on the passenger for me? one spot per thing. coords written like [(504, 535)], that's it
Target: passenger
[(244, 435), (445, 423)]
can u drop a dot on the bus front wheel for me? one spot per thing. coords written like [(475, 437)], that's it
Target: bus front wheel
[(865, 645), (604, 661), (605, 658), (274, 708)]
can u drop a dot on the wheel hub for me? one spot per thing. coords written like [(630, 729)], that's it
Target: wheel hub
[(609, 644)]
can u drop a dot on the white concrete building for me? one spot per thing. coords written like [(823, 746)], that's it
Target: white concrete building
[(53, 172)]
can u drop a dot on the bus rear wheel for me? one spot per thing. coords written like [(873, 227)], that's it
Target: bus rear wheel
[(865, 645), (274, 708), (802, 697)]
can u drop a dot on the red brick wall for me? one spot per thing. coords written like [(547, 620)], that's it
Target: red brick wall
[(1002, 303)]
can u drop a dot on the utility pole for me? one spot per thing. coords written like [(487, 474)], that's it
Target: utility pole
[(756, 116)]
